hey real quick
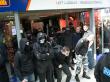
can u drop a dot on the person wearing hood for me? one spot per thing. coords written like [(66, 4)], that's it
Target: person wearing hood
[(23, 61), (68, 41), (43, 54), (81, 50)]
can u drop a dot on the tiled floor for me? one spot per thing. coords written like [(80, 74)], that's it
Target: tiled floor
[(90, 73)]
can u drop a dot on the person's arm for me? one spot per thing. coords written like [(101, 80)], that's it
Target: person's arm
[(56, 62), (18, 66), (73, 42), (36, 52), (50, 52), (69, 63), (90, 43), (41, 55), (79, 45), (59, 59), (35, 49)]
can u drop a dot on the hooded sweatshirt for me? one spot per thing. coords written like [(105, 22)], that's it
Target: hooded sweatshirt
[(23, 60)]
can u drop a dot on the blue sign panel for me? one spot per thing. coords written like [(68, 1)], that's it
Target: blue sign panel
[(13, 5)]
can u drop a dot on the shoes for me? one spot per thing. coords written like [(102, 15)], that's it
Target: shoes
[(85, 76), (77, 78)]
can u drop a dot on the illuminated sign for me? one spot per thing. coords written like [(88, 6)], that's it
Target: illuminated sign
[(4, 3), (13, 5), (67, 4)]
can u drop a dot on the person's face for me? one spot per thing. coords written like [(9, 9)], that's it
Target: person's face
[(29, 36), (78, 29), (85, 28), (65, 52)]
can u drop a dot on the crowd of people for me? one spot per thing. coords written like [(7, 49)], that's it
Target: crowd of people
[(43, 57)]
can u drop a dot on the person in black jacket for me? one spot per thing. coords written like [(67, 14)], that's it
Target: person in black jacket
[(81, 55), (76, 37), (3, 60), (62, 63), (43, 54), (68, 38), (23, 62), (102, 68), (68, 41)]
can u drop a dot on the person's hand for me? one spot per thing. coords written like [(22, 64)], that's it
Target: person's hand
[(72, 50), (27, 43), (48, 54), (25, 80), (60, 66)]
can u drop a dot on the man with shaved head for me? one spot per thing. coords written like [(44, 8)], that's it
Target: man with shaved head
[(81, 50)]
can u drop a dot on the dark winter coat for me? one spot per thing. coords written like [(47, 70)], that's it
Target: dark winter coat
[(68, 39), (43, 55), (59, 58), (23, 60), (76, 38), (102, 68)]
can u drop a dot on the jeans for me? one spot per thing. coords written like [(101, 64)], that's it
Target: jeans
[(30, 78), (90, 59)]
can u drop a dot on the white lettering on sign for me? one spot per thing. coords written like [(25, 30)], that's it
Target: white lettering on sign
[(67, 4), (59, 2)]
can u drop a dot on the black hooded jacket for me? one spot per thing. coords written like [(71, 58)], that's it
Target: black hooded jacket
[(23, 60), (102, 68), (43, 55), (42, 51), (59, 58)]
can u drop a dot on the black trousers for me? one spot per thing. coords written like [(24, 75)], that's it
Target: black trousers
[(48, 75), (3, 75), (45, 72), (66, 70)]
